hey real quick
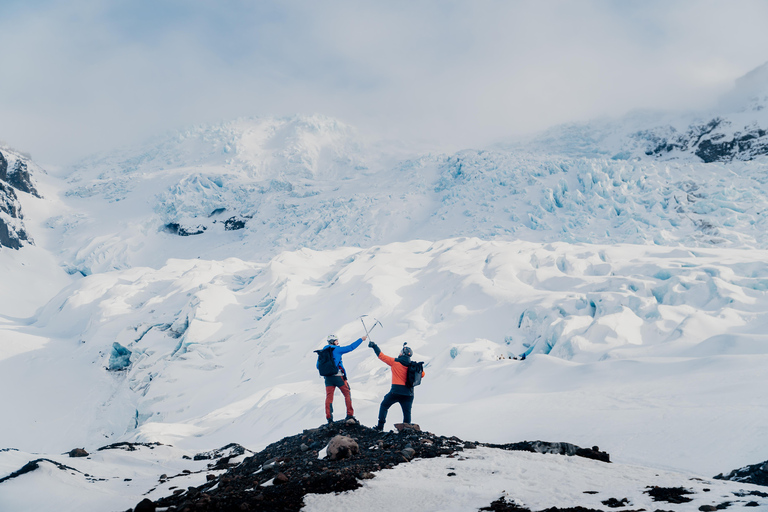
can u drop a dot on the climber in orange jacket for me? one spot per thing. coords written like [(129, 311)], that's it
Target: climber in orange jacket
[(400, 391)]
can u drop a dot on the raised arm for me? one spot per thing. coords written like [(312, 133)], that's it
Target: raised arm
[(352, 346)]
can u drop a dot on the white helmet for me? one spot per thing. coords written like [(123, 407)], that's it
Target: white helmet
[(331, 338)]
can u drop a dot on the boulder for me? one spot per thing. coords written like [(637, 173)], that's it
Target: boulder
[(407, 426), (342, 447), (78, 452), (145, 505)]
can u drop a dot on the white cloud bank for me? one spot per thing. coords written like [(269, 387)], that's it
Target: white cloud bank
[(86, 75)]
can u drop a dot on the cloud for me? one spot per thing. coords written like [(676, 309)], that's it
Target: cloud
[(86, 75)]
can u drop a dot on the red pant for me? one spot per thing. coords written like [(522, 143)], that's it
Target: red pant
[(329, 391)]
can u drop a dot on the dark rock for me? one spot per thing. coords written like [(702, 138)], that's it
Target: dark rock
[(233, 224), (755, 474), (408, 453), (614, 503), (669, 494), (304, 447), (145, 505), (129, 447), (502, 505), (177, 229), (281, 478), (78, 452), (20, 179), (555, 448), (708, 508)]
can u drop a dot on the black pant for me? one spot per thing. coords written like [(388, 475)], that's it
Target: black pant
[(406, 401)]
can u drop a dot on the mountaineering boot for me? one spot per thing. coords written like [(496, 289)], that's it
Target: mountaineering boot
[(350, 418), (330, 419), (379, 427)]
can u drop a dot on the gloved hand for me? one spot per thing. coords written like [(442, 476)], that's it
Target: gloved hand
[(371, 344)]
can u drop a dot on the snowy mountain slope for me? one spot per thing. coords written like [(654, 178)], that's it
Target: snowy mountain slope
[(222, 351)]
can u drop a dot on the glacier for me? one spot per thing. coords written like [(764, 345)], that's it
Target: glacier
[(174, 292)]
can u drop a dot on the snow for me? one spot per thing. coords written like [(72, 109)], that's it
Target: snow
[(536, 481), (636, 287)]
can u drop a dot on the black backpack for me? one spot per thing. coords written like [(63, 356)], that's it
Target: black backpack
[(325, 363), (413, 378)]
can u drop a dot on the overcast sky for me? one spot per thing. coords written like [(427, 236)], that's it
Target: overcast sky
[(78, 76)]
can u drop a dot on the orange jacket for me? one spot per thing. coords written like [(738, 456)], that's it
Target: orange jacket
[(399, 370)]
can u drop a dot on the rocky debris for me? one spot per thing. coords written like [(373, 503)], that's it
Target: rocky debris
[(403, 426), (342, 447), (257, 484), (78, 452), (755, 474), (278, 477), (669, 494), (555, 448), (504, 505)]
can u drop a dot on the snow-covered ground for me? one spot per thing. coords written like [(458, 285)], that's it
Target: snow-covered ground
[(176, 292)]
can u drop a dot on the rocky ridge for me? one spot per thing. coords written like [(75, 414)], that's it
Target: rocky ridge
[(278, 477), (14, 176)]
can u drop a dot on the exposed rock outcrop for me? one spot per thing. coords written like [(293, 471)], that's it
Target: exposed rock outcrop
[(279, 477), (12, 231), (713, 141), (755, 474), (14, 175)]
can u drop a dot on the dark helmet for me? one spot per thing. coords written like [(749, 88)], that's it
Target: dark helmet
[(407, 352)]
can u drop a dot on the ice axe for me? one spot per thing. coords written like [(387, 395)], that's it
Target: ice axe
[(368, 331)]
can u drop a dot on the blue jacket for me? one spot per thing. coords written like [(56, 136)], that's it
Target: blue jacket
[(340, 351)]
